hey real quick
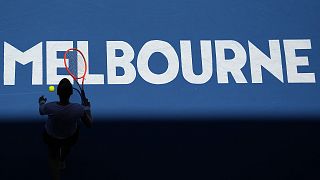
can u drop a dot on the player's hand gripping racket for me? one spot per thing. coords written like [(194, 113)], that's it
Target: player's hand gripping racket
[(76, 65)]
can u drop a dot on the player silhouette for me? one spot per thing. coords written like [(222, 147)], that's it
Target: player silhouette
[(61, 130)]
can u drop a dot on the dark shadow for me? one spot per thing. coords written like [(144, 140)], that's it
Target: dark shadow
[(172, 149)]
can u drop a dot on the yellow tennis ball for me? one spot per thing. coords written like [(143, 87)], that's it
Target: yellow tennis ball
[(51, 88)]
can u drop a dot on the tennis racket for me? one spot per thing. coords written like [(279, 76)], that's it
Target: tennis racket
[(76, 66)]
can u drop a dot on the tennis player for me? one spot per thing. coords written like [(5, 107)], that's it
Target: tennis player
[(61, 130)]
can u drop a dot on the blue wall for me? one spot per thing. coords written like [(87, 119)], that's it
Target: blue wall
[(24, 24)]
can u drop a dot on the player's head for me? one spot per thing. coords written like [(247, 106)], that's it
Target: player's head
[(64, 89)]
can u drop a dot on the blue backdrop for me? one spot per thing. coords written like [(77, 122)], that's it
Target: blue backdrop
[(24, 24)]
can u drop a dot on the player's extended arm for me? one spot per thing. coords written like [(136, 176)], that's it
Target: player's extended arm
[(87, 118), (42, 101)]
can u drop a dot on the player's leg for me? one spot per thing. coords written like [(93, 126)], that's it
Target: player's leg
[(67, 145), (53, 155)]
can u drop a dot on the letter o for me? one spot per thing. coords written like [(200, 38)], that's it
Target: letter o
[(168, 51)]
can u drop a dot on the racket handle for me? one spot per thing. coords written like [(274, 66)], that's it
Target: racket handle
[(83, 94), (85, 101)]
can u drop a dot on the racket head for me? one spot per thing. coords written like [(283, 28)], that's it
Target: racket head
[(75, 64)]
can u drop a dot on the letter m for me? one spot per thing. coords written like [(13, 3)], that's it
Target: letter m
[(13, 55)]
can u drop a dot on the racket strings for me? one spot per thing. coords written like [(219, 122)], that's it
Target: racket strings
[(72, 62), (76, 63)]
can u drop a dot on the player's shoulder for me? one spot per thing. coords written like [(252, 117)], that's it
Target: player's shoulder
[(54, 103), (76, 105), (49, 106), (76, 108)]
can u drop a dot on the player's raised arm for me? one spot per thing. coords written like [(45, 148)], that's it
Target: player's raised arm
[(87, 118)]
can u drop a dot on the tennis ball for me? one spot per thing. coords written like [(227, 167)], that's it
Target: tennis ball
[(51, 88)]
